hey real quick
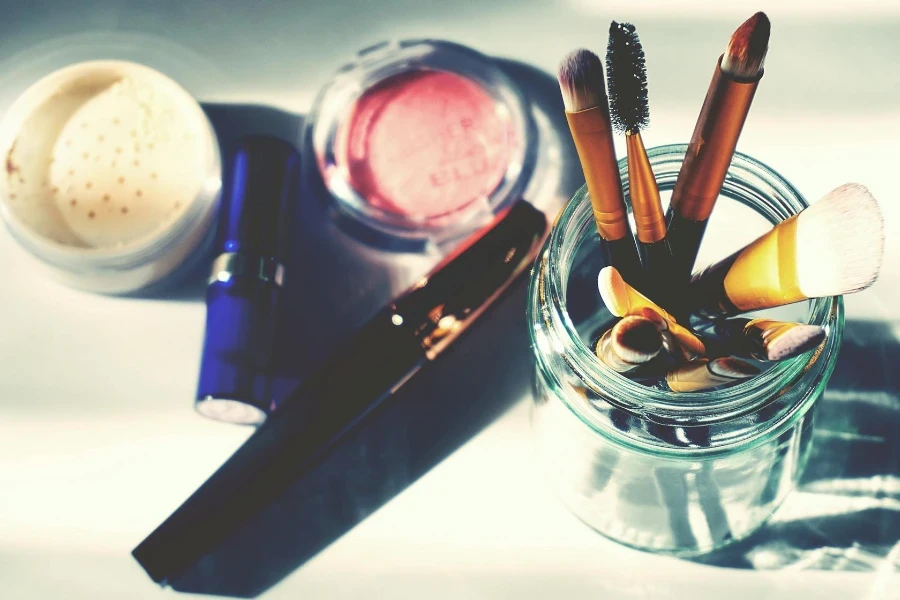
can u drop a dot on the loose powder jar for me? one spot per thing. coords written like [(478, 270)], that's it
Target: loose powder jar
[(112, 174)]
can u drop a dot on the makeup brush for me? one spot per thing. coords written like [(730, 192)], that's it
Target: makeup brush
[(763, 339), (630, 343), (705, 373), (622, 300), (833, 247), (587, 111), (716, 133), (670, 342), (630, 110)]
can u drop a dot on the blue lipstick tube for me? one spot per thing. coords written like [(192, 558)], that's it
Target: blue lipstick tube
[(261, 190)]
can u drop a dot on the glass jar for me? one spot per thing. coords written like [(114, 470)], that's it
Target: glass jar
[(677, 473)]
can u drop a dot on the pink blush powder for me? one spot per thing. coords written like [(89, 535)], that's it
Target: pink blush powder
[(426, 144)]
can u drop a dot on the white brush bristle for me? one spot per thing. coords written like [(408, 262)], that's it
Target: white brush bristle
[(840, 242), (581, 81), (612, 291)]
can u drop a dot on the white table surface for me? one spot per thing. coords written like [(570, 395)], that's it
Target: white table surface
[(98, 438)]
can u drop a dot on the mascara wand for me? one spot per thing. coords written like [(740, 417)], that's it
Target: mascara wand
[(630, 111)]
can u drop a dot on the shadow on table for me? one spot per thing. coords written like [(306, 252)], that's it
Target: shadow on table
[(335, 282), (845, 515), (230, 122)]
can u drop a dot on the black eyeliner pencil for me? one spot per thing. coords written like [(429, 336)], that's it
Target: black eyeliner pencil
[(253, 485)]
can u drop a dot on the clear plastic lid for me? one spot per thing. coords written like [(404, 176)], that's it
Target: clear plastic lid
[(422, 139), (112, 170)]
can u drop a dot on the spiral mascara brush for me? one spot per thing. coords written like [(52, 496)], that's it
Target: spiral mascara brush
[(725, 108), (584, 96), (630, 111)]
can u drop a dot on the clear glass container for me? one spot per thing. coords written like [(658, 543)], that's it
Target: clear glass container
[(676, 473)]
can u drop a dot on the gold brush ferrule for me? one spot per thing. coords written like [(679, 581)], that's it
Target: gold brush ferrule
[(764, 274), (704, 373), (649, 220), (712, 145), (766, 331), (592, 133), (623, 300), (773, 336)]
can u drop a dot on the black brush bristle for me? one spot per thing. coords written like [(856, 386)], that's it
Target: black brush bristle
[(626, 79)]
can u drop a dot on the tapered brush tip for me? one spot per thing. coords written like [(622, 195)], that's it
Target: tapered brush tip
[(626, 73), (581, 81), (636, 339), (840, 243), (794, 342), (746, 51)]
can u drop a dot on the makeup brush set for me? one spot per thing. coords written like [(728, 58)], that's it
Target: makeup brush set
[(425, 148), (675, 331)]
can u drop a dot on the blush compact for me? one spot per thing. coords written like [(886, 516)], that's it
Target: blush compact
[(422, 139)]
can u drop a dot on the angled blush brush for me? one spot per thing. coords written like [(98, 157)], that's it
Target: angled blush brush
[(833, 247), (715, 137)]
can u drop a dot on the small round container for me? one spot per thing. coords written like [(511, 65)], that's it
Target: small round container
[(111, 175), (676, 473), (422, 140)]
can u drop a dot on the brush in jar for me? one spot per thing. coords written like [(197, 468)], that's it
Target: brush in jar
[(630, 343), (762, 339), (630, 111), (623, 300), (583, 91), (725, 108), (705, 373), (831, 248)]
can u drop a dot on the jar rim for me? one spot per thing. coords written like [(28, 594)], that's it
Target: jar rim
[(746, 176)]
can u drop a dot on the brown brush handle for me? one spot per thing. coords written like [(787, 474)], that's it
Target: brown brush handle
[(592, 134), (705, 166), (712, 145)]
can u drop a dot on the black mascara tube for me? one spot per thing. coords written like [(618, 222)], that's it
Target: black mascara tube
[(250, 489)]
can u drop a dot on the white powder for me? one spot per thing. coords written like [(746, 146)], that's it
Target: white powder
[(106, 161)]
